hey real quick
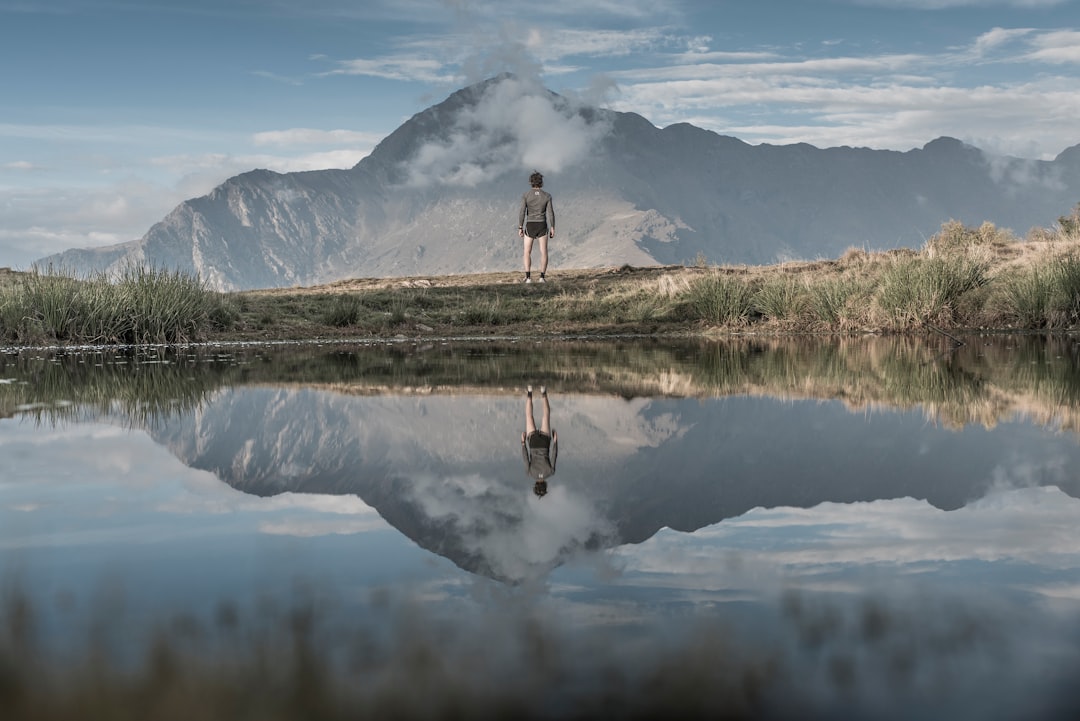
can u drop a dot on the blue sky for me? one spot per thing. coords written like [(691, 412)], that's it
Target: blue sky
[(114, 111)]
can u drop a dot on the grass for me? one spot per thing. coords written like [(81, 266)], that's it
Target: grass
[(925, 289), (722, 300), (396, 658), (141, 306), (964, 278), (279, 663)]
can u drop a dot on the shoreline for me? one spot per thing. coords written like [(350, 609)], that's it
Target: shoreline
[(964, 282)]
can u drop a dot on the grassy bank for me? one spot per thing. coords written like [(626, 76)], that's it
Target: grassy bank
[(964, 278)]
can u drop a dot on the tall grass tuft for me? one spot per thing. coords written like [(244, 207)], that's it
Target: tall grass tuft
[(141, 306), (1070, 224), (779, 299), (1044, 296), (827, 299), (955, 237), (490, 311), (1067, 290), (344, 311), (914, 291), (721, 299), (1023, 299)]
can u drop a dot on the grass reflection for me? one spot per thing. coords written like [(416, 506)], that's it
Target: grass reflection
[(141, 386), (985, 380)]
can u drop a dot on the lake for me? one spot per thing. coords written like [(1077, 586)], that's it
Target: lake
[(747, 528)]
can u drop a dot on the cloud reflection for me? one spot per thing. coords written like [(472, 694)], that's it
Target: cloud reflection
[(1010, 536), (504, 529), (95, 483)]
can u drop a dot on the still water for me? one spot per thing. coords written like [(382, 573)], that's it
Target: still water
[(865, 528)]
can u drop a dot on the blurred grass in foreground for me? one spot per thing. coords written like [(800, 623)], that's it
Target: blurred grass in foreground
[(503, 656)]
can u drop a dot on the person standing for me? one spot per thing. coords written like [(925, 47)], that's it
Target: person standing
[(536, 221)]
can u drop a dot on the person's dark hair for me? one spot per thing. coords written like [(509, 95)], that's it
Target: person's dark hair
[(536, 180), (540, 488)]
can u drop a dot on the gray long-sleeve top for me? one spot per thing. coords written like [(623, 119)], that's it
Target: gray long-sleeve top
[(537, 206)]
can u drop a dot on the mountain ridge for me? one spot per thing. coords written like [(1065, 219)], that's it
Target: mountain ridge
[(439, 195)]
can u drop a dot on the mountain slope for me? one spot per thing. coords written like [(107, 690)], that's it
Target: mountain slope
[(440, 195)]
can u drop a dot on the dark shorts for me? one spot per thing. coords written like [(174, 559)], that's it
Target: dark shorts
[(539, 439), (536, 228)]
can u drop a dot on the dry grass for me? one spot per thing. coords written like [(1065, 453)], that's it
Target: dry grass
[(963, 278)]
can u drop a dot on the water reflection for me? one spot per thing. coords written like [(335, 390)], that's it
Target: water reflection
[(880, 520), (539, 448), (660, 436)]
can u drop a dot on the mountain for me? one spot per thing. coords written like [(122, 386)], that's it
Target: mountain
[(440, 195), (446, 470)]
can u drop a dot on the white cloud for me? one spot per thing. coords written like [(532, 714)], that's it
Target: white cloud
[(483, 50), (704, 55), (414, 69), (35, 222), (555, 44), (88, 217), (312, 136), (896, 101), (1058, 47), (945, 4), (809, 71), (202, 173), (997, 37), (514, 126), (320, 527)]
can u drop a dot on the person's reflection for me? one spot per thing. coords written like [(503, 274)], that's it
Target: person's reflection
[(539, 448)]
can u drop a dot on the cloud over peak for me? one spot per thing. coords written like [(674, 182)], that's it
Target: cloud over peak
[(514, 125)]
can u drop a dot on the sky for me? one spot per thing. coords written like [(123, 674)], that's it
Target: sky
[(112, 112)]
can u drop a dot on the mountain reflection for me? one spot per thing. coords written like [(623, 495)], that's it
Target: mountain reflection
[(648, 437)]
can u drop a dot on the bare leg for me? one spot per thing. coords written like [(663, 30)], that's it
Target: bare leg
[(528, 253), (543, 253), (530, 423), (545, 420)]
